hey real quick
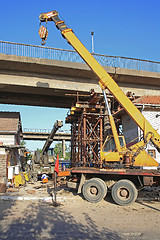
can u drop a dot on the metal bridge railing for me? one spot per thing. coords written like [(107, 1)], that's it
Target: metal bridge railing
[(33, 130), (34, 51), (43, 130)]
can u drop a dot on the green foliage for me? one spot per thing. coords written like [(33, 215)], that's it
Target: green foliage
[(40, 150), (23, 143), (58, 150)]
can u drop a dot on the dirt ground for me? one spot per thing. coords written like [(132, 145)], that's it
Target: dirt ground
[(76, 218)]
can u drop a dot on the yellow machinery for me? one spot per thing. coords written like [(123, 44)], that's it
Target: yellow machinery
[(21, 179), (114, 148)]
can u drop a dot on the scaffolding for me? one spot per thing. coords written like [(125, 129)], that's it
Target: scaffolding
[(87, 133)]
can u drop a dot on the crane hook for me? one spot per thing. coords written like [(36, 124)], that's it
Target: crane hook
[(43, 33)]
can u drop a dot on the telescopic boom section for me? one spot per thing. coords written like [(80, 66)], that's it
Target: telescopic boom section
[(106, 81), (58, 124)]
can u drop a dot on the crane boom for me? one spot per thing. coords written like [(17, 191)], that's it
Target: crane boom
[(58, 124)]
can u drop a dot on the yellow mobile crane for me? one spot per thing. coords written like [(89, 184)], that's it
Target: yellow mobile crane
[(123, 191)]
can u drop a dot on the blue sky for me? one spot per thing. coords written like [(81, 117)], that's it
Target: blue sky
[(122, 28)]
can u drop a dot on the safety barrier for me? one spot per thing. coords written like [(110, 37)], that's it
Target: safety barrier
[(34, 51)]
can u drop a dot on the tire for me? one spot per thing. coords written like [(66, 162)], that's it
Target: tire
[(124, 192), (94, 190), (105, 186)]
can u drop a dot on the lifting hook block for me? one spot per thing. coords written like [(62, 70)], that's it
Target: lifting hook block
[(43, 33)]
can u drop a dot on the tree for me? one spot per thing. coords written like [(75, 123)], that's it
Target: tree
[(58, 150), (23, 143)]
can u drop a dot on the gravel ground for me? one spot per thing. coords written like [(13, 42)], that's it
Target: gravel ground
[(76, 218)]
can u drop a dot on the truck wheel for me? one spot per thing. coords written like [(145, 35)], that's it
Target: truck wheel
[(105, 186), (94, 190), (124, 192)]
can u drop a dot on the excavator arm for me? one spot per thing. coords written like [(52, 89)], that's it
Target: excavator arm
[(106, 81)]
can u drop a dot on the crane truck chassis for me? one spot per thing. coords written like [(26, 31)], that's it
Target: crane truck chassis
[(122, 169)]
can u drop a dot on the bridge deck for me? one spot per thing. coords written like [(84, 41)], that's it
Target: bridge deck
[(44, 135), (27, 80)]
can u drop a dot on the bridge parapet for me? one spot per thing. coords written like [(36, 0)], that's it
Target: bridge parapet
[(35, 51), (34, 130)]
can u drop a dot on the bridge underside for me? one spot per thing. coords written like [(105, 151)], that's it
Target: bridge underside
[(51, 83), (32, 98)]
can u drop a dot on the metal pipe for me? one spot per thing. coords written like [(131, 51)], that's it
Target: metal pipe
[(113, 125), (106, 102)]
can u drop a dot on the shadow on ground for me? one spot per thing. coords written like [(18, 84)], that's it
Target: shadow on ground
[(5, 208), (43, 221)]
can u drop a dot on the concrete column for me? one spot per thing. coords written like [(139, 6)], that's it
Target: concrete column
[(64, 148)]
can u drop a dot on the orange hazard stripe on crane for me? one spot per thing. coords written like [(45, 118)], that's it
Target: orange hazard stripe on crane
[(43, 32)]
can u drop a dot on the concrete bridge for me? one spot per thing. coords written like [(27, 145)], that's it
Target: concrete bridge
[(26, 78), (40, 135)]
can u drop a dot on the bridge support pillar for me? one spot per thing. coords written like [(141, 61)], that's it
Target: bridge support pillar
[(64, 148)]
